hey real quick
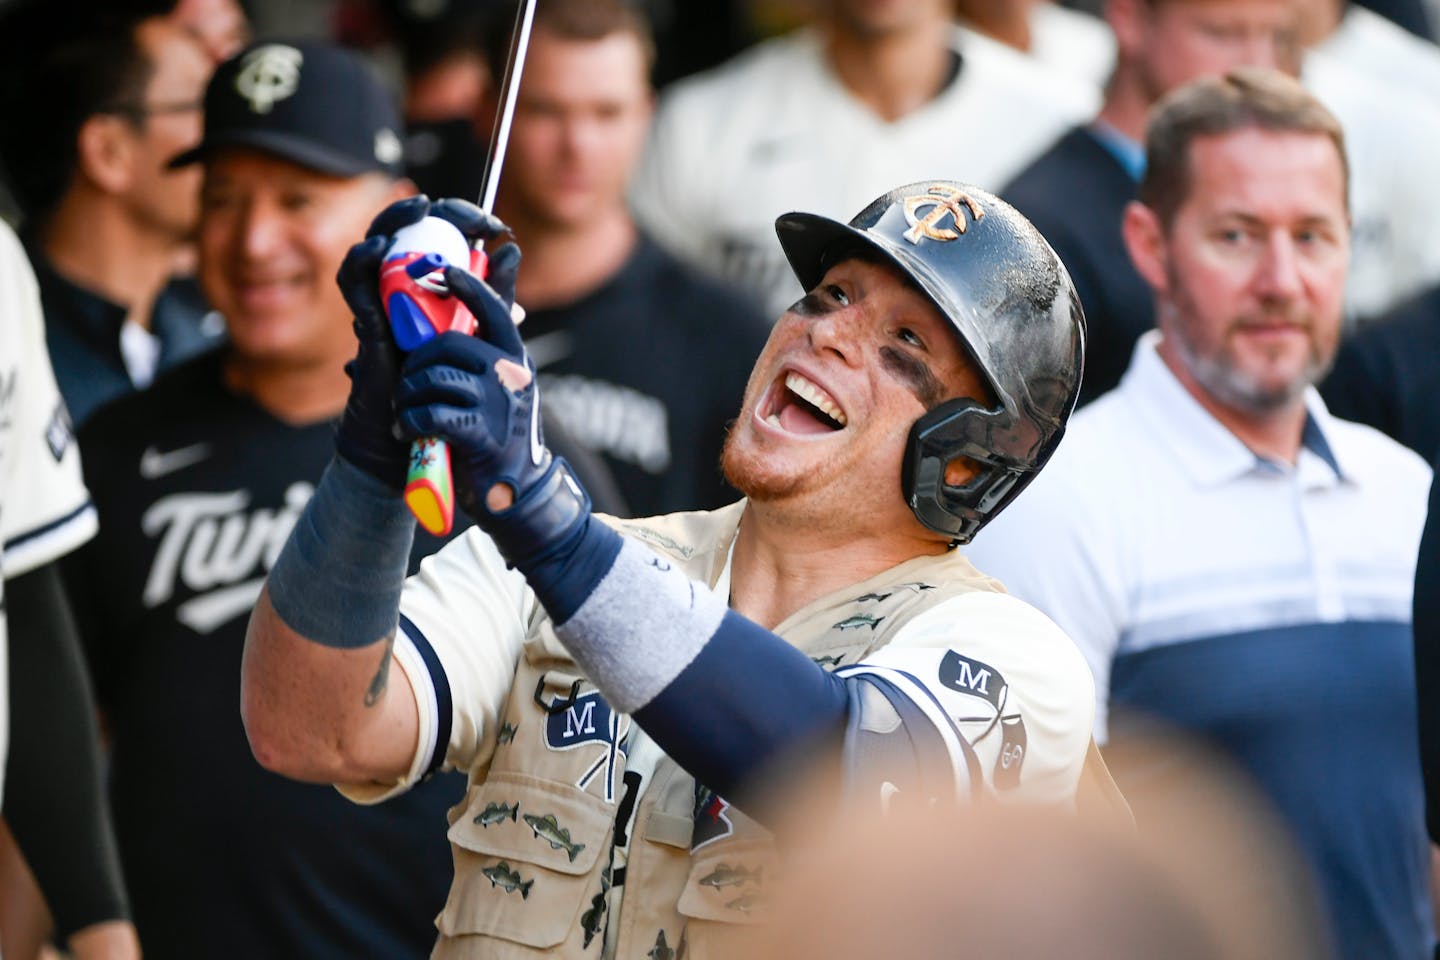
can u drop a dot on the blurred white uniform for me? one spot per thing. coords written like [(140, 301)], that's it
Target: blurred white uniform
[(45, 511), (774, 130), (1380, 48), (1392, 142), (1071, 42)]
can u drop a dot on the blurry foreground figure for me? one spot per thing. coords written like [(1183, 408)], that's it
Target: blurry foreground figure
[(1207, 876)]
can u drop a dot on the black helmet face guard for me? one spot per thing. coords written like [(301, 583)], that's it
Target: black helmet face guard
[(1014, 311)]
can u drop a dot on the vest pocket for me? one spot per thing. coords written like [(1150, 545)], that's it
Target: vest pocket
[(527, 861), (727, 892)]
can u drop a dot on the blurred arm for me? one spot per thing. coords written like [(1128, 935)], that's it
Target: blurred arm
[(53, 798)]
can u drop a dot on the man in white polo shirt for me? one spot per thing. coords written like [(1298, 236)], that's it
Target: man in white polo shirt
[(1232, 560)]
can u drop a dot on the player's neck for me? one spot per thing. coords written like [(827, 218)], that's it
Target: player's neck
[(96, 246), (565, 262), (780, 567), (897, 73), (298, 393)]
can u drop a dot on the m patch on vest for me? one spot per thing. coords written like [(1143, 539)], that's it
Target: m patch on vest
[(587, 722), (972, 677)]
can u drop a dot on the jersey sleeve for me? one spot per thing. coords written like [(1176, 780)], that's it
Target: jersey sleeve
[(45, 511), (1006, 680), (463, 621)]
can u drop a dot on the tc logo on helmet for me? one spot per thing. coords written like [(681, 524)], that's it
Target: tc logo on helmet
[(942, 200), (268, 75)]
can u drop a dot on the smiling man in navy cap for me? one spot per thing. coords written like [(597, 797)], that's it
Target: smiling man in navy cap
[(197, 483)]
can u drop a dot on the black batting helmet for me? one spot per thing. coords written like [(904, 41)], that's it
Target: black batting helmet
[(1014, 309)]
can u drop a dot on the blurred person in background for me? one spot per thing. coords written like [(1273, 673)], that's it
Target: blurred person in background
[(1368, 43), (642, 359), (1076, 193), (1071, 42), (106, 222), (1232, 560), (1426, 607), (1392, 139), (106, 225), (446, 80), (197, 481), (219, 26), (1420, 17), (827, 117), (1385, 374), (50, 772)]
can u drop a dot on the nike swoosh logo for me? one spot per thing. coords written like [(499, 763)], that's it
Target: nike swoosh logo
[(208, 611), (537, 452), (154, 464)]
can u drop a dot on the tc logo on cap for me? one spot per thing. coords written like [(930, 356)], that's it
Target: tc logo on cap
[(942, 200), (268, 75)]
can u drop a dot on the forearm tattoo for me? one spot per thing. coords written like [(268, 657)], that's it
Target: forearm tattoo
[(382, 675)]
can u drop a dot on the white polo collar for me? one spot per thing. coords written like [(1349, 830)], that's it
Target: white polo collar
[(1210, 454)]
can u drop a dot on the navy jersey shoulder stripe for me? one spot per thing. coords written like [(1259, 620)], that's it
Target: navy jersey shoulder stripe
[(444, 705), (20, 540), (925, 720)]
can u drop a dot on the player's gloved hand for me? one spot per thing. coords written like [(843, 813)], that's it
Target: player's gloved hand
[(369, 436), (479, 394)]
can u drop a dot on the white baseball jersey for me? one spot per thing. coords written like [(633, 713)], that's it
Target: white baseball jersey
[(44, 509), (774, 130)]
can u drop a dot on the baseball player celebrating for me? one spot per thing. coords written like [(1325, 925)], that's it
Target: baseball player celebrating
[(613, 687)]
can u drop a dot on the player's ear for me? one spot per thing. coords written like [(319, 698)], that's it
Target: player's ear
[(105, 152), (1144, 236)]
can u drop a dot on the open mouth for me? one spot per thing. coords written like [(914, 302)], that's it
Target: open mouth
[(799, 406)]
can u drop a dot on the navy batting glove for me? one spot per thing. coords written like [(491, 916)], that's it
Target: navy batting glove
[(369, 435), (480, 395)]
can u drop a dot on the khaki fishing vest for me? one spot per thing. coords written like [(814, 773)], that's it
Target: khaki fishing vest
[(533, 839)]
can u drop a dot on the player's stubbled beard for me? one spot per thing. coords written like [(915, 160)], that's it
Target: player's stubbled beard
[(912, 371)]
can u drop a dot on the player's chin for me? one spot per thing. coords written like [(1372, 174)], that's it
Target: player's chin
[(756, 473)]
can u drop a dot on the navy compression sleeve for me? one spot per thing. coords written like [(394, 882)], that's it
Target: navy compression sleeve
[(722, 695)]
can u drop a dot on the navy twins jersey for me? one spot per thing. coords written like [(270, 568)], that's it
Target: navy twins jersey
[(197, 490)]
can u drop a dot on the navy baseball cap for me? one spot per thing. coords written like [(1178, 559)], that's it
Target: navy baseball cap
[(311, 103)]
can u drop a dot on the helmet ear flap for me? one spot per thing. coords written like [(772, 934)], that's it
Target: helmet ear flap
[(956, 429)]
